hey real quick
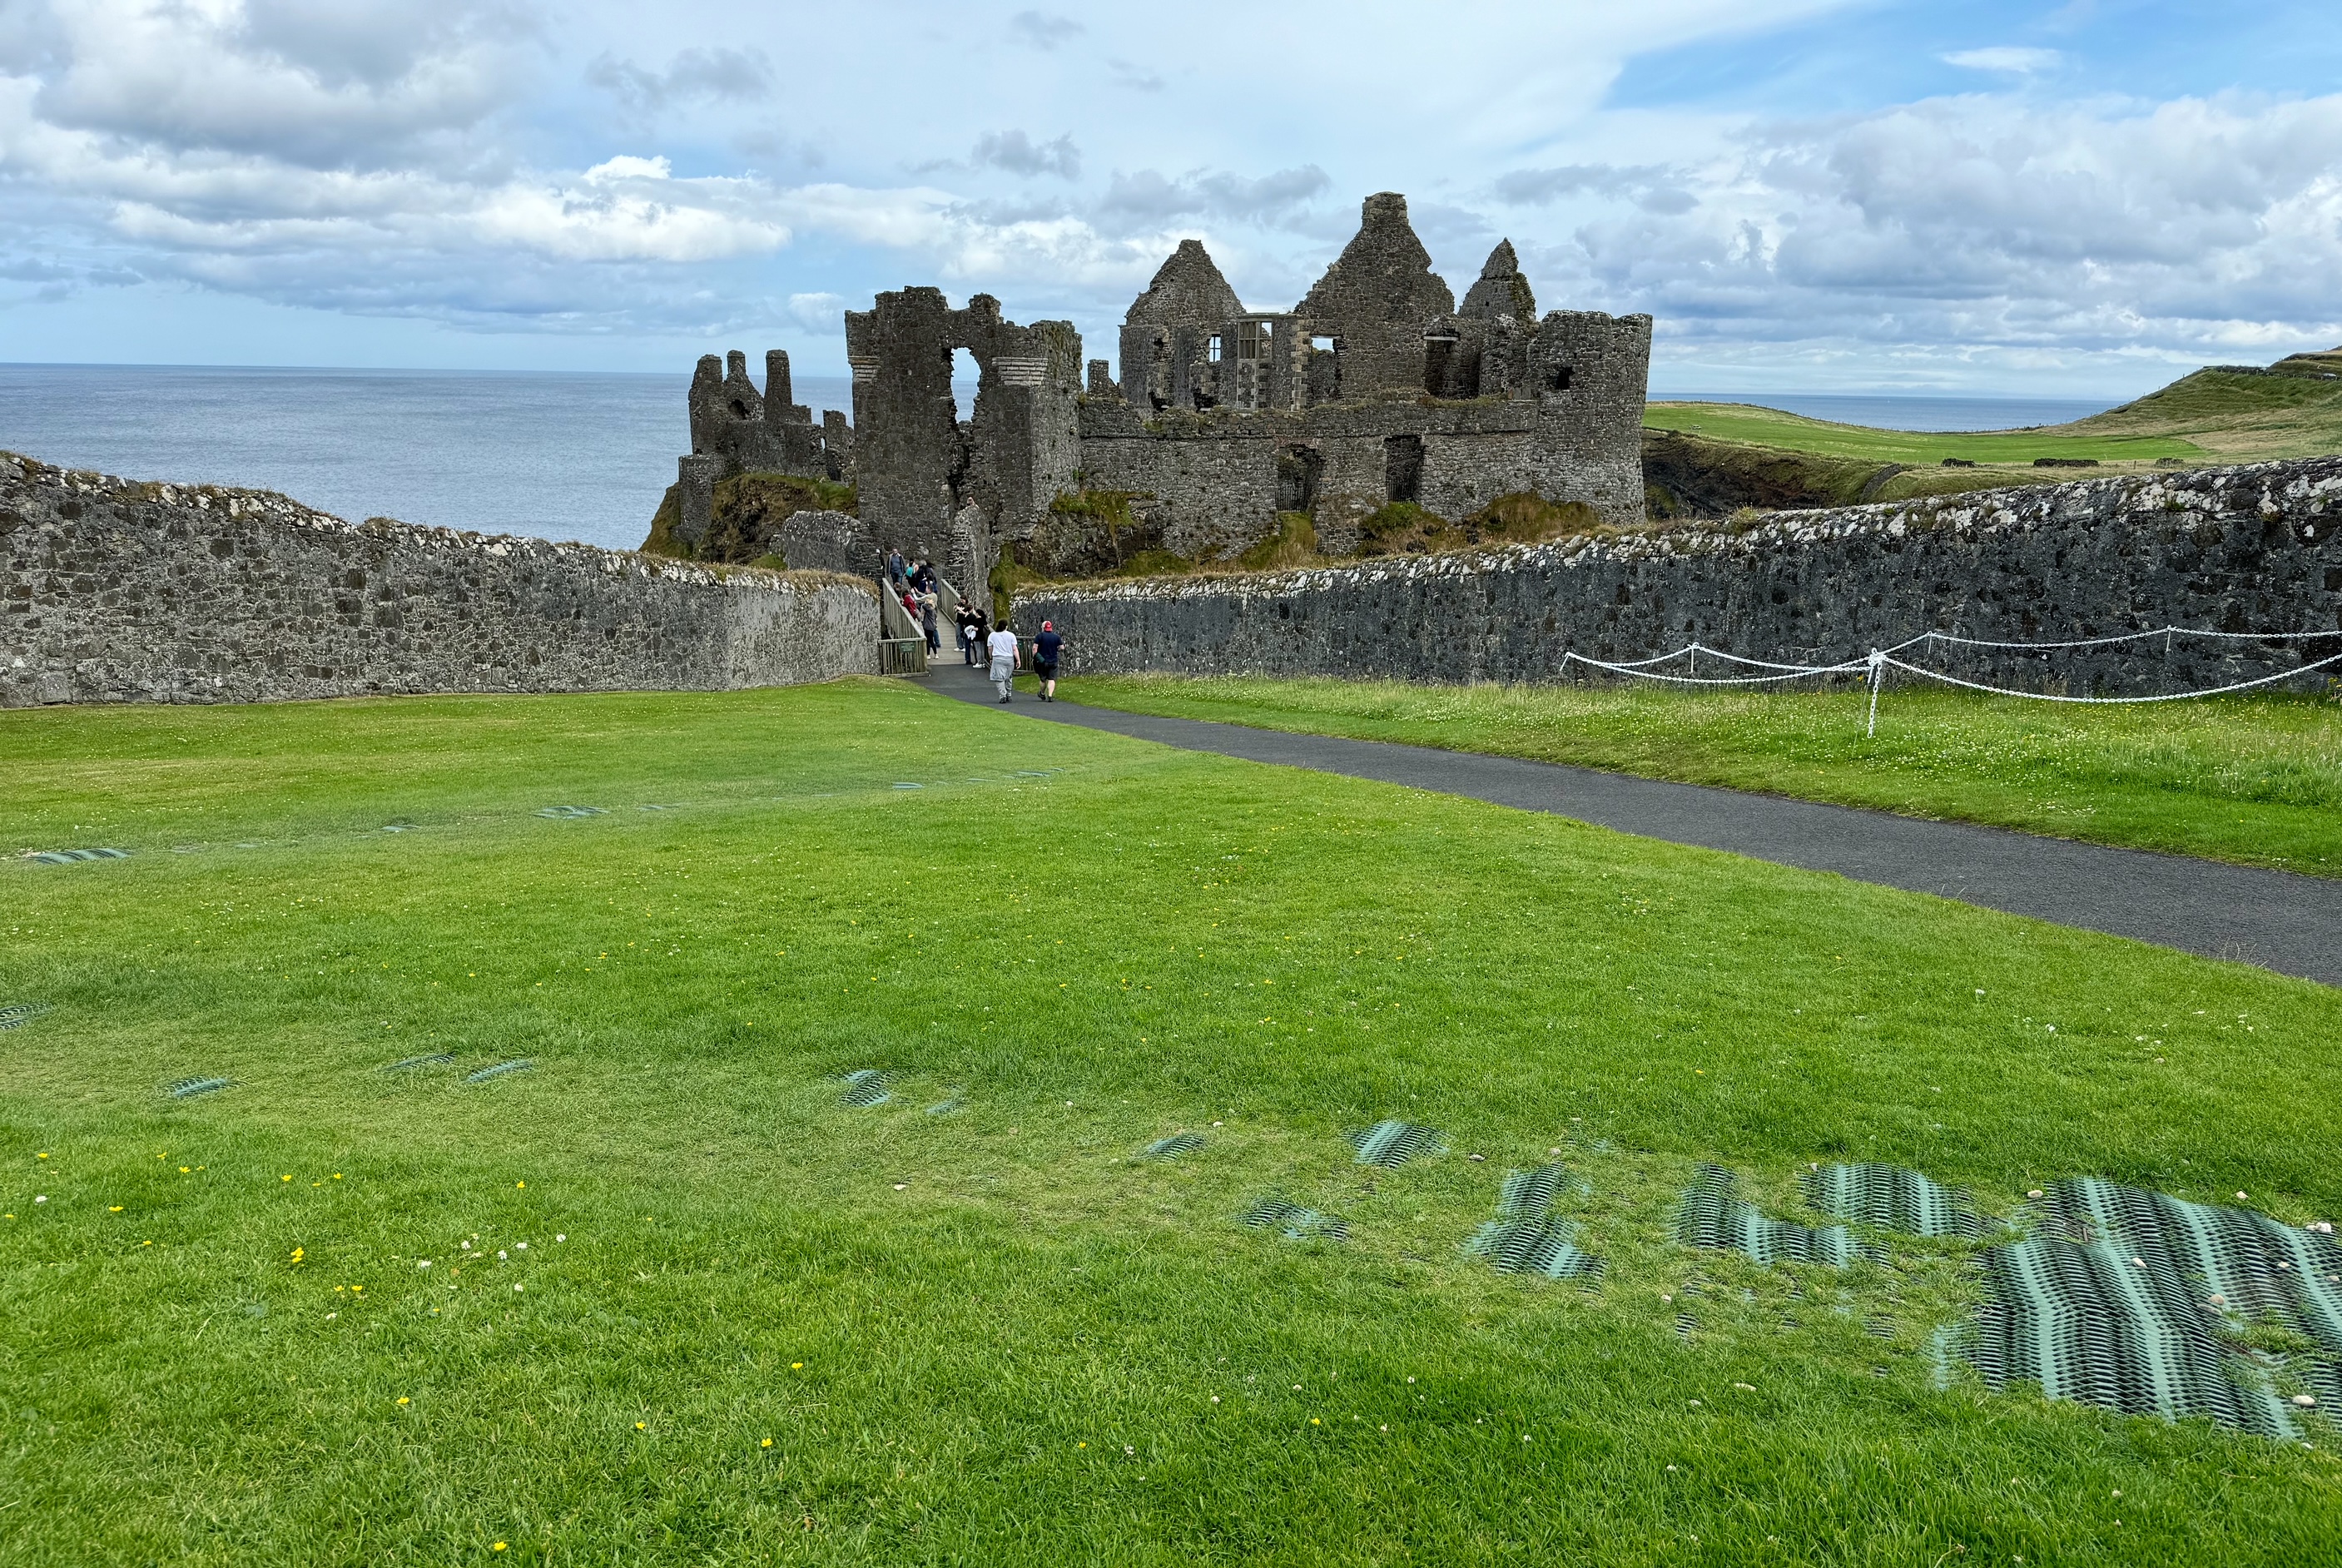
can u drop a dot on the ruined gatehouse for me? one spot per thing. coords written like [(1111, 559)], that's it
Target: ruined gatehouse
[(1378, 388)]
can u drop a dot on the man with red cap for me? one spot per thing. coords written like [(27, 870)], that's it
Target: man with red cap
[(1045, 659)]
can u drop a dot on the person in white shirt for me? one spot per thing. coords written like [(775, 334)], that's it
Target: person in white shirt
[(1002, 646)]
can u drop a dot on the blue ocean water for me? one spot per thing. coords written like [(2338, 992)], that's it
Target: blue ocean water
[(561, 456)]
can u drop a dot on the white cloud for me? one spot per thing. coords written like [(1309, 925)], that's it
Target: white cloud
[(818, 312), (1042, 30), (703, 75), (615, 169), (1019, 153), (2014, 61), (1984, 227)]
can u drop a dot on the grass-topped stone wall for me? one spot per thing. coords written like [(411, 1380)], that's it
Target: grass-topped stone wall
[(2250, 549), (115, 591)]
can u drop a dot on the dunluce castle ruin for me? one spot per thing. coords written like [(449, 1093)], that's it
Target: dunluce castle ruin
[(1378, 388)]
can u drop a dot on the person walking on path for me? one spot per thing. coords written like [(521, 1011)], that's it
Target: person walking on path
[(927, 624), (897, 571), (1045, 648), (1002, 645), (965, 632)]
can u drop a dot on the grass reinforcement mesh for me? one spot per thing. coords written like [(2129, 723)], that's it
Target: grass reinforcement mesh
[(16, 1014), (500, 1069), (2146, 1304), (1714, 1215), (1526, 1238), (864, 1087), (1295, 1222), (437, 1058), (188, 1088), (1892, 1199), (1393, 1144), (75, 856), (1176, 1146)]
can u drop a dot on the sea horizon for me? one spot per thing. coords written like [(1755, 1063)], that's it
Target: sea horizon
[(568, 455)]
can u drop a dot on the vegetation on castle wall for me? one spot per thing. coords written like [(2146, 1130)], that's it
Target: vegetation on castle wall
[(662, 540), (749, 511), (1294, 543)]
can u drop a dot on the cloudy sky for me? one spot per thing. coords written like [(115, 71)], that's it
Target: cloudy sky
[(1990, 196)]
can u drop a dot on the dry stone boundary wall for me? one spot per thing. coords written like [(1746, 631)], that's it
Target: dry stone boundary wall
[(2248, 549), (117, 592)]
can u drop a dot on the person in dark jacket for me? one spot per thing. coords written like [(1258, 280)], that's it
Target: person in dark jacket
[(1046, 650)]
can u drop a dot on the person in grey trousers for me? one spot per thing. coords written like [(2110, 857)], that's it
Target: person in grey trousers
[(1006, 657)]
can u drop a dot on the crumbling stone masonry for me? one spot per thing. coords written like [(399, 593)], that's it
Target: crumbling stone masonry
[(113, 591), (2250, 549), (1377, 387)]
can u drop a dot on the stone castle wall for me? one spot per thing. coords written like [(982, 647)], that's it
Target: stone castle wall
[(2249, 549), (112, 592)]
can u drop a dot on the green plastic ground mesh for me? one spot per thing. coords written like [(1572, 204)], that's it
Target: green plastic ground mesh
[(74, 856), (1394, 1143), (501, 1069), (437, 1058), (572, 812), (864, 1087), (1713, 1215), (1173, 1147), (1893, 1199), (1529, 1192), (2139, 1301), (1293, 1222), (1524, 1238), (1544, 1245), (188, 1088), (16, 1014)]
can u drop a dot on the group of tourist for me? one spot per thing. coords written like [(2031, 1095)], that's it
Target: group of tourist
[(915, 586)]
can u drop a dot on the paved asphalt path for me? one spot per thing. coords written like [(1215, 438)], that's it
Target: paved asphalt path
[(2275, 919)]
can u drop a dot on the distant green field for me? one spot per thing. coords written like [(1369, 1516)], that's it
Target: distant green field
[(1755, 426), (663, 1296)]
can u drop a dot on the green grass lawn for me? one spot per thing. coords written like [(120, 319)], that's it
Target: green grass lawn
[(752, 1324), (1757, 426), (2252, 779)]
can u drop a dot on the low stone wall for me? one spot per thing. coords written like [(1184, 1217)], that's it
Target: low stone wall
[(115, 592), (2249, 549)]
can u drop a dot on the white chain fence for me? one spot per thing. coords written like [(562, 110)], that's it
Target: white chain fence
[(1875, 664)]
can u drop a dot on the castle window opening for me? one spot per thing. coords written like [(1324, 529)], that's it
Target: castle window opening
[(1251, 340), (1558, 380), (1403, 468), (1297, 468), (739, 409), (966, 376), (1212, 349)]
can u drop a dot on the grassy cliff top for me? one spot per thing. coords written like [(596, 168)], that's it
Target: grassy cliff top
[(2224, 414), (1746, 424), (2292, 409)]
